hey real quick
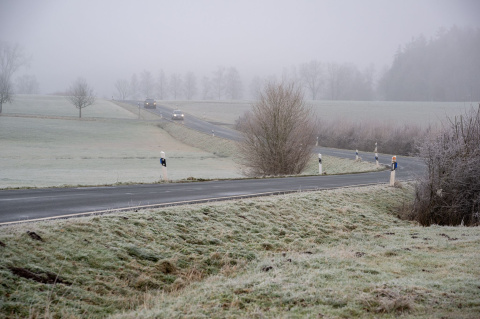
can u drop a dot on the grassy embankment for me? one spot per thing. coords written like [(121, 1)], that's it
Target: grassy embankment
[(331, 254)]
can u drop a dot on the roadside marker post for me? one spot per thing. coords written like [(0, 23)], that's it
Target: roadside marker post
[(376, 154), (163, 162), (394, 168), (320, 164), (356, 155), (213, 133)]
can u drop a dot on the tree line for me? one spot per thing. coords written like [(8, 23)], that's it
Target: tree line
[(224, 83), (320, 80), (444, 68)]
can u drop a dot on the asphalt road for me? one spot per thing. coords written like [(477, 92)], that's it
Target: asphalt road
[(193, 122), (37, 204)]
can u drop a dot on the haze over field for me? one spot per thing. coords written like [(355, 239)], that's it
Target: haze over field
[(103, 41)]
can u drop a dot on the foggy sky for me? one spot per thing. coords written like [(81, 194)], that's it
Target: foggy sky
[(105, 40)]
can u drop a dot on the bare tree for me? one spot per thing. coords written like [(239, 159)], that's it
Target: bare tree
[(256, 87), (311, 76), (347, 82), (278, 133), (11, 59), (218, 82), (334, 80), (190, 85), (134, 87), (290, 75), (123, 88), (162, 86), (80, 95), (26, 84), (233, 84), (175, 85), (146, 83), (206, 88)]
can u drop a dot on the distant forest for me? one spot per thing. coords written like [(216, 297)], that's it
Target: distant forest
[(445, 68)]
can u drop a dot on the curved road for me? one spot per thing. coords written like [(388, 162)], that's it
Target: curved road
[(37, 204)]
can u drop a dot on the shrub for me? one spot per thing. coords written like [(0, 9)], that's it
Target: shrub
[(391, 139), (449, 193), (278, 133)]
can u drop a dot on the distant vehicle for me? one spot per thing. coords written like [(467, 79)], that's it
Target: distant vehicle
[(177, 115), (150, 104)]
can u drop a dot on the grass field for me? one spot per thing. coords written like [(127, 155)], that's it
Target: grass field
[(51, 105), (54, 152), (48, 148), (396, 113), (330, 254)]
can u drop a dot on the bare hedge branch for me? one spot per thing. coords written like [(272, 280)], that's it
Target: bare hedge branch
[(278, 133), (449, 193)]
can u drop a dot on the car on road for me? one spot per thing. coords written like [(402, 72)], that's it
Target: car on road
[(150, 104), (178, 115)]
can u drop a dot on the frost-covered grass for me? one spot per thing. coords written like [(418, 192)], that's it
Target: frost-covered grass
[(332, 254), (52, 105), (396, 113), (44, 150), (53, 152)]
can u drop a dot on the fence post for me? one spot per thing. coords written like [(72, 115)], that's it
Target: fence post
[(163, 162), (392, 173), (320, 164)]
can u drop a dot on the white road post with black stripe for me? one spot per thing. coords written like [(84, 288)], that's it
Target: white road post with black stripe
[(376, 154), (394, 168), (163, 162), (320, 164), (356, 155)]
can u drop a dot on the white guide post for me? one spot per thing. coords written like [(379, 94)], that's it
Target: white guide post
[(394, 168), (376, 154), (213, 133), (163, 162), (356, 155), (320, 164)]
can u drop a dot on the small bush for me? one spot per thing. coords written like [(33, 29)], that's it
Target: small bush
[(278, 134)]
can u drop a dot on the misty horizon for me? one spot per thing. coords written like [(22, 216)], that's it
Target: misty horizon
[(103, 41)]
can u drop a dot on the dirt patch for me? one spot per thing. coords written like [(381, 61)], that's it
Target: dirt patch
[(42, 277)]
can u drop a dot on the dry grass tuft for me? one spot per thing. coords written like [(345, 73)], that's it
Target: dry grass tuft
[(388, 300)]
